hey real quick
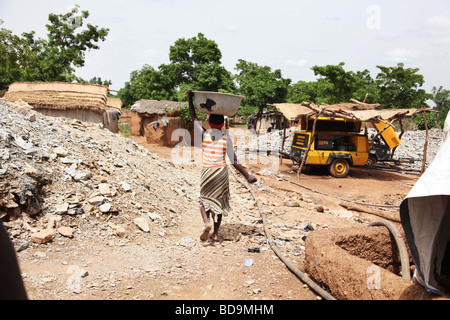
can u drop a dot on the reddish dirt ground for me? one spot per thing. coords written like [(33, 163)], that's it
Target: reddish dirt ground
[(161, 267)]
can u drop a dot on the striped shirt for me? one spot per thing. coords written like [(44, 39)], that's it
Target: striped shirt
[(214, 152)]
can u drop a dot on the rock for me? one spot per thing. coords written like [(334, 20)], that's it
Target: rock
[(154, 216), (101, 179), (71, 171), (142, 224), (126, 187), (66, 231), (60, 152), (82, 176), (104, 208), (248, 262), (105, 189), (320, 209), (119, 230), (98, 200), (61, 208), (291, 203), (31, 171), (42, 236)]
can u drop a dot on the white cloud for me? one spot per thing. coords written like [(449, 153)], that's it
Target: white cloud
[(439, 25), (229, 29), (402, 55), (438, 28), (296, 63)]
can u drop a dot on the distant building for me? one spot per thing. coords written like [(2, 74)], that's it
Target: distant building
[(84, 102)]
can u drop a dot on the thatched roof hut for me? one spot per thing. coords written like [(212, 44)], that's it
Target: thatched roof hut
[(156, 120), (114, 103), (59, 95), (85, 102)]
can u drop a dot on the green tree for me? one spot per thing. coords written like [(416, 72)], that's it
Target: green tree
[(146, 83), (400, 87), (54, 58), (441, 97), (10, 51), (100, 82), (303, 91), (260, 85), (195, 63), (342, 82), (337, 85)]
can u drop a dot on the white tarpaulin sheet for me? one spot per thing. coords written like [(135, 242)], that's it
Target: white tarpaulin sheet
[(425, 215)]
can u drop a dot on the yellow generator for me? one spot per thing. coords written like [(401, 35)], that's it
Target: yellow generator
[(382, 144), (337, 144)]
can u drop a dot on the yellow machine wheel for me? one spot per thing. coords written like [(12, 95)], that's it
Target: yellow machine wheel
[(339, 168), (372, 161)]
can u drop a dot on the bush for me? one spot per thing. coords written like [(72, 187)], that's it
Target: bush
[(431, 120)]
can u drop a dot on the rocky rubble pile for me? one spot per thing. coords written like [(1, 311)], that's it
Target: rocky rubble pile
[(56, 172), (412, 147)]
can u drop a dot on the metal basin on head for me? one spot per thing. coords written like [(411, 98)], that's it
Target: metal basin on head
[(217, 103)]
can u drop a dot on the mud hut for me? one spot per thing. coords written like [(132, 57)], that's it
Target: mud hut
[(157, 121), (85, 102)]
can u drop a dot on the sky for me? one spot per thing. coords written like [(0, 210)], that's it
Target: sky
[(290, 35)]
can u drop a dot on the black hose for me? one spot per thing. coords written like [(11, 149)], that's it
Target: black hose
[(302, 276), (404, 257)]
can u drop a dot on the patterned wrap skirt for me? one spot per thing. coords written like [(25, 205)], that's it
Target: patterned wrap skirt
[(215, 191)]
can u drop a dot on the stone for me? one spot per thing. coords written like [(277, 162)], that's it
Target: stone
[(99, 178), (105, 189), (66, 231), (120, 231), (98, 200), (291, 203), (320, 209), (104, 208), (126, 187), (142, 224), (61, 208), (60, 152), (82, 176), (42, 236)]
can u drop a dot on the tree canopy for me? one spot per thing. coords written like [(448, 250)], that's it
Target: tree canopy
[(400, 87), (196, 63), (260, 85), (27, 58)]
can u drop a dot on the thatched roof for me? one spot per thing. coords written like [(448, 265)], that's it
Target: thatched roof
[(114, 103), (357, 111), (155, 106), (59, 95)]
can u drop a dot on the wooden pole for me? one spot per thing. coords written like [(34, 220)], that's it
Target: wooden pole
[(424, 159), (400, 136), (284, 138), (310, 142), (329, 113)]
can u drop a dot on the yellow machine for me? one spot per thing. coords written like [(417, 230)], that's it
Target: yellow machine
[(337, 144), (381, 149)]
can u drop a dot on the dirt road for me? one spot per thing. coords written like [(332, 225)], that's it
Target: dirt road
[(172, 263)]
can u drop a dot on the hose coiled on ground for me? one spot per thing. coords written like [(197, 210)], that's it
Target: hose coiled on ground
[(302, 276), (404, 257)]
